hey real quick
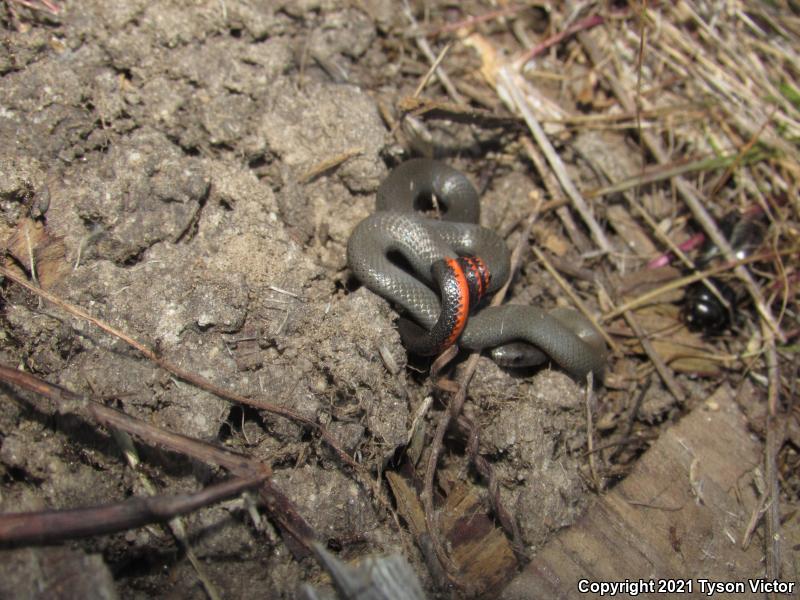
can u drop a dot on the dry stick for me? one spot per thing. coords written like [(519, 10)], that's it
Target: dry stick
[(506, 79), (425, 47), (633, 202), (176, 526), (587, 23), (45, 5), (424, 81), (661, 367), (636, 205), (662, 173), (551, 184), (277, 503), (687, 191), (590, 430), (187, 376), (485, 468), (456, 405), (328, 164), (68, 402), (55, 525), (471, 22), (771, 448)]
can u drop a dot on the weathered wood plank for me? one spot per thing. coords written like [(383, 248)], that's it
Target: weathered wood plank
[(681, 514)]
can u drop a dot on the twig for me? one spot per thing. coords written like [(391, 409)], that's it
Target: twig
[(46, 5), (282, 510), (68, 402), (471, 22), (486, 470), (176, 525), (590, 430), (289, 519), (187, 376), (562, 283), (582, 243), (772, 445), (506, 79), (663, 370), (668, 171), (427, 77), (327, 165), (426, 49), (651, 295), (55, 525), (587, 23), (632, 417)]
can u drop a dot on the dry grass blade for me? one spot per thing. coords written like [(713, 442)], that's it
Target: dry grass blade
[(562, 283), (682, 282), (666, 172), (506, 80), (435, 62), (689, 194), (44, 5)]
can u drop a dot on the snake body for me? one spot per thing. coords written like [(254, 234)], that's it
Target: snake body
[(405, 256)]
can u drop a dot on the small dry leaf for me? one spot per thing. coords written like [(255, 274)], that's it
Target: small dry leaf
[(556, 244), (32, 241)]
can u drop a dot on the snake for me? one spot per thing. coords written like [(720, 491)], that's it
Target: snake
[(438, 270)]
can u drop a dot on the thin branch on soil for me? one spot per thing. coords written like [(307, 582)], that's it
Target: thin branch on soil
[(56, 525), (632, 417), (472, 22), (587, 23), (177, 525), (774, 441), (68, 402), (427, 77), (567, 288), (288, 518), (300, 533), (576, 235), (634, 203), (43, 5), (590, 431), (668, 171), (652, 295), (187, 376), (329, 164), (487, 470), (661, 367)]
